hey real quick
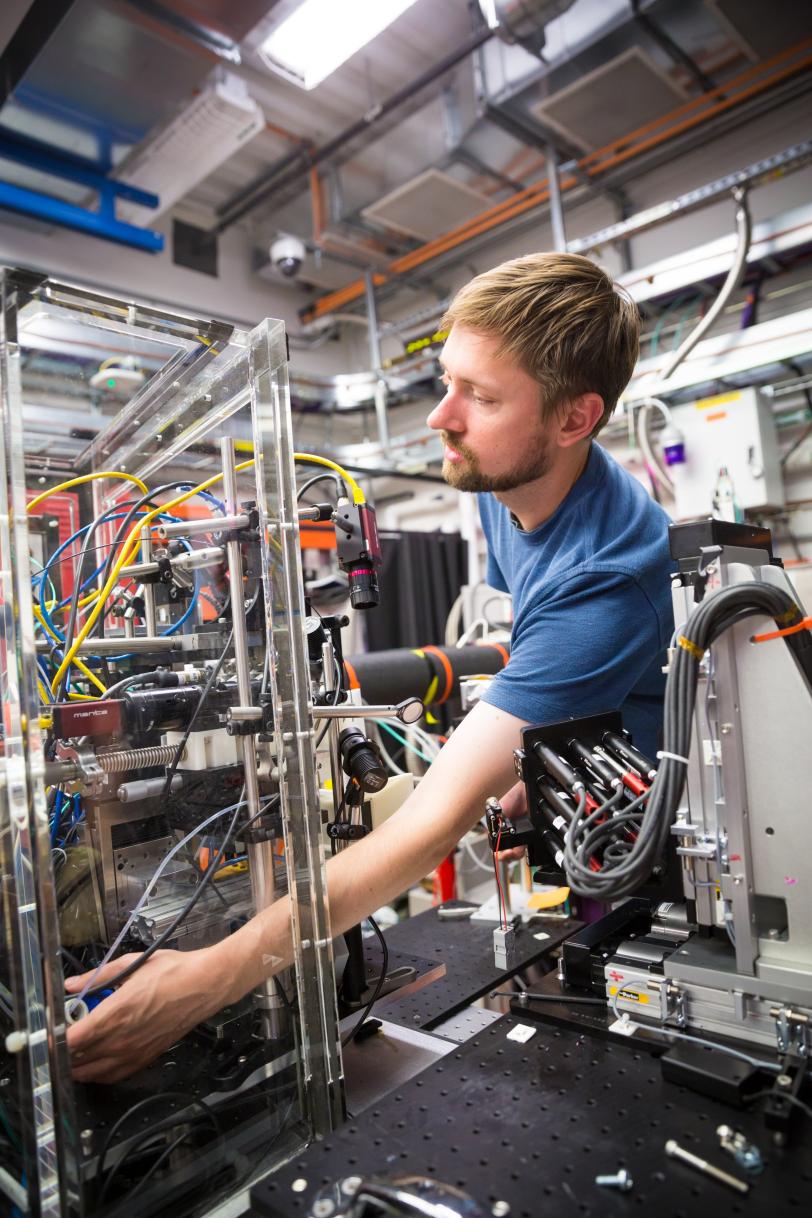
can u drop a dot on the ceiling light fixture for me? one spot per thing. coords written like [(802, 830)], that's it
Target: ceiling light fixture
[(320, 35)]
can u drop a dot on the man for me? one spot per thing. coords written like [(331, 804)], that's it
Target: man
[(538, 353)]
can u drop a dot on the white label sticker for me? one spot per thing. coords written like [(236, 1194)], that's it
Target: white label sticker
[(522, 1032), (541, 935)]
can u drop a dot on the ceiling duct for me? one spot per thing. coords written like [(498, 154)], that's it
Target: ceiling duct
[(617, 97), (427, 206), (761, 31), (523, 21)]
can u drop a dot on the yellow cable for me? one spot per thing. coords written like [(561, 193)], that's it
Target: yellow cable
[(308, 458), (83, 668), (105, 473), (129, 547), (311, 459)]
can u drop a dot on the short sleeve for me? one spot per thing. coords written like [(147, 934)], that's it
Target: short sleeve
[(580, 652), (493, 574)]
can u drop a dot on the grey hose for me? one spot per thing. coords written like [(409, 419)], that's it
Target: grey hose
[(734, 277)]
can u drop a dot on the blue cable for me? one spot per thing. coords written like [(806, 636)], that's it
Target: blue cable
[(44, 574), (57, 817)]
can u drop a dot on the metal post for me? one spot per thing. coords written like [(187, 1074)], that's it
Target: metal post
[(150, 616), (556, 207), (260, 854), (328, 660), (375, 359)]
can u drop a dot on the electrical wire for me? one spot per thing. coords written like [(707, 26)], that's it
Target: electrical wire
[(714, 615), (691, 1040), (353, 1034), (783, 1096), (204, 693), (127, 551), (190, 1101), (66, 486), (334, 478), (358, 496), (194, 898)]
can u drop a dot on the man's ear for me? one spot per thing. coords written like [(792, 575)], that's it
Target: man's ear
[(579, 417)]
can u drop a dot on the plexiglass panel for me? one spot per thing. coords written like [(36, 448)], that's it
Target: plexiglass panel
[(158, 776)]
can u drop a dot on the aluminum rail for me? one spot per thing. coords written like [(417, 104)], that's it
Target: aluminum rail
[(795, 157), (260, 854)]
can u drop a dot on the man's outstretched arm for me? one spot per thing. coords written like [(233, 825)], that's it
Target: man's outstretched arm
[(174, 991)]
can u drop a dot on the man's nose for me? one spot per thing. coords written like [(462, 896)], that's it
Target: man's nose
[(446, 415)]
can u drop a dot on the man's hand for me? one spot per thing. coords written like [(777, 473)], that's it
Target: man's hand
[(160, 1003), (514, 805)]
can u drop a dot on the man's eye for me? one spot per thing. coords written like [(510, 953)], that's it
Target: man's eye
[(483, 401)]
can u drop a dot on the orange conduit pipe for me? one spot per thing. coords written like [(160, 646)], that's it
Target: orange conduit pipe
[(685, 117)]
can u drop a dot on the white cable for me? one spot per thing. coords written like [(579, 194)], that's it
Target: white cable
[(692, 1040), (644, 440), (452, 622), (672, 756), (469, 849)]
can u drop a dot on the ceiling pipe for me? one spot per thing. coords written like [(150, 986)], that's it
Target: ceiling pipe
[(301, 160), (691, 114)]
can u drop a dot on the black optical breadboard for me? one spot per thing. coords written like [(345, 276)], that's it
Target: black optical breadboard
[(532, 1124), (465, 948)]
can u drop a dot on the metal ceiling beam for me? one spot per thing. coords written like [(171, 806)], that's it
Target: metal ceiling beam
[(31, 35), (464, 157), (672, 49), (291, 168), (697, 119), (210, 40), (531, 132)]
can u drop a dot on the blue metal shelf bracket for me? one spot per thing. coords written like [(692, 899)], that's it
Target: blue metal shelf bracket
[(34, 154)]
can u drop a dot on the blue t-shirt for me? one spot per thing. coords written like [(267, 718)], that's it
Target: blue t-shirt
[(592, 606)]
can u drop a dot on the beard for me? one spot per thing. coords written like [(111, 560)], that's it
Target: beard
[(535, 462)]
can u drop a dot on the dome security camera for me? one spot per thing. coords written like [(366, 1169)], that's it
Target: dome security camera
[(287, 255)]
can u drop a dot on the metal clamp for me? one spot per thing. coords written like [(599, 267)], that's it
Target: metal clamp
[(791, 1030)]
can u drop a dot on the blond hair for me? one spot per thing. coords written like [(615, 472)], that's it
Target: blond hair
[(563, 319)]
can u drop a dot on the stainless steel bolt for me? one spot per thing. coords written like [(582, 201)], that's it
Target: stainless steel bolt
[(621, 1180), (500, 1209), (783, 1080), (322, 1208), (350, 1186), (299, 1185), (86, 1137)]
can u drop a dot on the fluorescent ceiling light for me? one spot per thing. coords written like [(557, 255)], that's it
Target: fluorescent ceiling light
[(320, 35)]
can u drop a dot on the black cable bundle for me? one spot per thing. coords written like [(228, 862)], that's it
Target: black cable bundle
[(624, 872)]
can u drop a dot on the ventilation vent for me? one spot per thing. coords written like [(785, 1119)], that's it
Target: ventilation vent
[(760, 29), (611, 101), (431, 204), (215, 124)]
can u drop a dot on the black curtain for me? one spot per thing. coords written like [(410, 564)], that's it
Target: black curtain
[(420, 577)]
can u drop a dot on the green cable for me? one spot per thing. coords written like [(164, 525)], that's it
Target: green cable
[(388, 727)]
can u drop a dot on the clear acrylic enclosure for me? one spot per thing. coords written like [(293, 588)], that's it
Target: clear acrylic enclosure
[(157, 749)]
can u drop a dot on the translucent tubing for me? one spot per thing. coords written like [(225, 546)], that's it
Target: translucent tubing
[(129, 547), (66, 486)]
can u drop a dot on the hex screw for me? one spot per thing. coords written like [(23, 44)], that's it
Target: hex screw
[(322, 1208), (621, 1180)]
